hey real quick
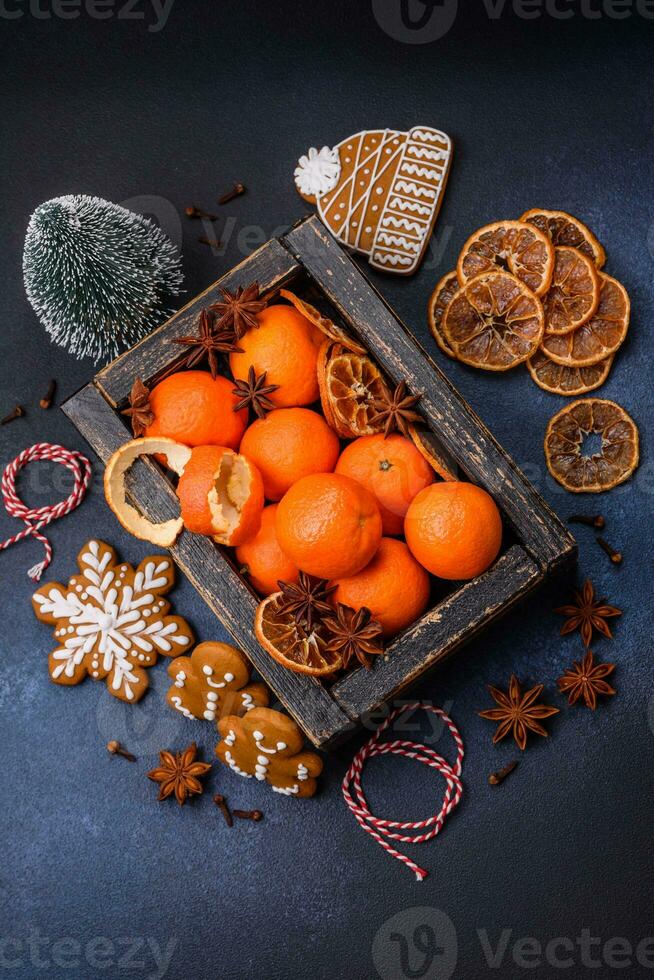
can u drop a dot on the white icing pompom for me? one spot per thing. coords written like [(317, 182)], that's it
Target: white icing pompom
[(317, 172)]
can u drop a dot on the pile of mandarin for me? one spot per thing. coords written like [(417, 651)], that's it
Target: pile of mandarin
[(315, 471)]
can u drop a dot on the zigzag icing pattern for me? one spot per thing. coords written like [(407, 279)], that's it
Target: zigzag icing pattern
[(401, 204), (390, 221), (417, 171), (422, 153), (430, 136), (385, 238), (412, 188), (392, 258)]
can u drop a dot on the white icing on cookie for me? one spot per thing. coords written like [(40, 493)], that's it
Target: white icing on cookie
[(317, 172)]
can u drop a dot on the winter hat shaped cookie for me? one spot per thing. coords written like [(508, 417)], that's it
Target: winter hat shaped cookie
[(379, 192)]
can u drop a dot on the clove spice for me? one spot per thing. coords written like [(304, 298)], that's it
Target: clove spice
[(213, 242), (255, 815), (193, 212), (496, 778), (615, 556), (17, 413), (221, 803), (115, 748), (48, 398), (236, 191), (590, 520)]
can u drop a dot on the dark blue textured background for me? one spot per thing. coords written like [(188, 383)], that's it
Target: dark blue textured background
[(96, 876)]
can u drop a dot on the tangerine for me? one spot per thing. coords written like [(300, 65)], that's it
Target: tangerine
[(288, 444), (221, 493), (454, 530), (261, 558), (197, 410), (393, 586), (392, 469), (329, 525), (284, 345)]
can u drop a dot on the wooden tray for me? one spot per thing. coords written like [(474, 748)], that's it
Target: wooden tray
[(309, 261)]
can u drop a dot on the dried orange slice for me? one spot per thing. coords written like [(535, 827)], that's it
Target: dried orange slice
[(564, 444), (177, 456), (600, 336), (436, 455), (563, 229), (324, 324), (512, 246), (494, 322), (574, 292), (350, 384), (290, 644), (562, 380), (438, 303)]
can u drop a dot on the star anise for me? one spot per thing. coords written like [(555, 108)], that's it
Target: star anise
[(238, 310), (306, 599), (354, 634), (208, 342), (517, 712), (139, 412), (395, 410), (253, 393), (587, 614), (178, 774), (586, 679)]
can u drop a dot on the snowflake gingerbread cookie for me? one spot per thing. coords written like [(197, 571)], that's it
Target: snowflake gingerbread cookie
[(268, 746), (380, 191), (111, 622), (214, 681)]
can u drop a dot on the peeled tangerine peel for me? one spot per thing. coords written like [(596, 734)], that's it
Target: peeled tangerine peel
[(165, 533), (235, 500), (564, 445)]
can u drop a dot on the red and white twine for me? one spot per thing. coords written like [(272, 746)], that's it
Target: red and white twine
[(39, 517), (381, 829)]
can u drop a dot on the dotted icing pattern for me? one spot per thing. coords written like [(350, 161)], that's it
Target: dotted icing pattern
[(111, 622), (212, 682), (388, 194)]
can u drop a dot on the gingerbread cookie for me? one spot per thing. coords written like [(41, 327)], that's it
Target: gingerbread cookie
[(111, 621), (269, 746), (379, 192), (212, 682)]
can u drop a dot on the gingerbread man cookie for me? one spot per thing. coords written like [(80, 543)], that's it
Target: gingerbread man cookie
[(269, 746), (380, 192), (212, 682), (111, 622)]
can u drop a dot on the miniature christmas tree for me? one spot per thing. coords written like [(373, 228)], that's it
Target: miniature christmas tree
[(98, 276)]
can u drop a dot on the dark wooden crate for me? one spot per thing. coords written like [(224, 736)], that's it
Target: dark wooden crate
[(309, 260)]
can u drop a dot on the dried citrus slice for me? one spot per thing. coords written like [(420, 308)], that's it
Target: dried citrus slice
[(324, 324), (600, 336), (438, 303), (562, 380), (291, 645), (494, 322), (563, 229), (436, 455), (177, 456), (574, 292), (512, 246), (350, 384), (564, 444)]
